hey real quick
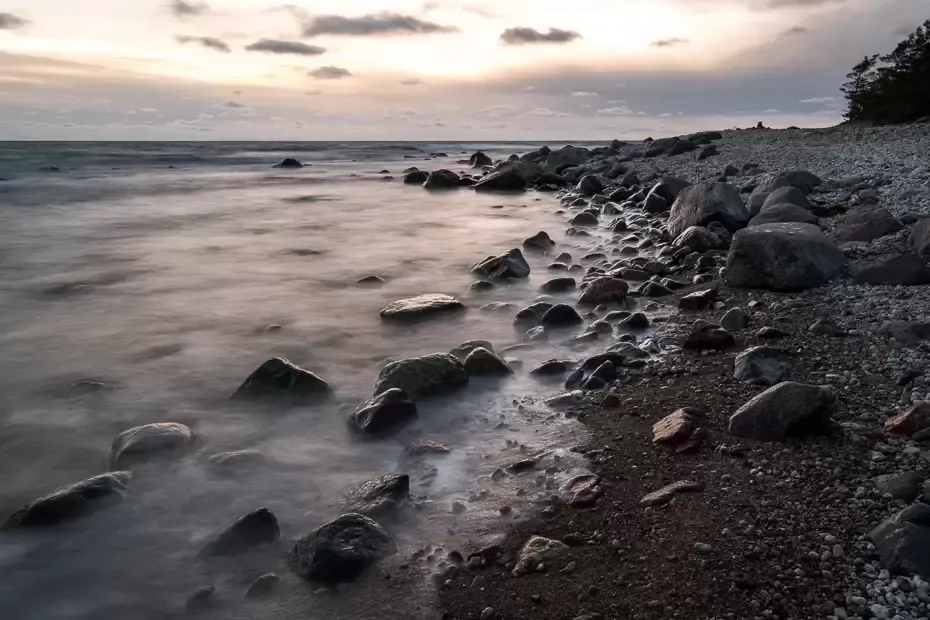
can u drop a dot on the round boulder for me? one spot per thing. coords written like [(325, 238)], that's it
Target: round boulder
[(421, 376), (341, 550), (605, 290), (149, 441)]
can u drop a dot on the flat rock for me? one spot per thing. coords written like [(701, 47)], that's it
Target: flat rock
[(422, 376), (699, 205), (867, 223), (903, 541), (677, 427), (259, 527), (416, 177), (903, 270), (787, 410), (279, 377), (72, 502), (551, 367), (384, 415), (604, 290), (762, 366), (149, 441), (667, 493), (341, 550), (421, 306), (540, 554)]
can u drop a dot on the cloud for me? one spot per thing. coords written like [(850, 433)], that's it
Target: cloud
[(524, 36), (209, 42), (184, 8), (616, 111), (275, 46), (528, 89), (547, 112), (412, 82), (784, 4), (584, 93), (794, 31), (9, 21), (668, 42), (818, 100), (233, 104), (330, 73), (372, 25), (666, 115), (771, 111)]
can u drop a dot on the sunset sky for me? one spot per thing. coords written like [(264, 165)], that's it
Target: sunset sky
[(416, 70)]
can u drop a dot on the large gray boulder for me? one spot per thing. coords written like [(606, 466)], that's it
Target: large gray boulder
[(565, 157), (668, 188), (507, 179), (604, 290), (149, 441), (483, 363), (920, 237), (420, 307), (786, 195), (341, 550), (785, 212), (783, 257), (421, 376), (801, 179), (787, 410), (384, 415), (699, 205), (441, 179), (903, 270), (903, 541), (71, 502), (507, 266), (259, 527), (762, 366), (279, 377), (867, 223)]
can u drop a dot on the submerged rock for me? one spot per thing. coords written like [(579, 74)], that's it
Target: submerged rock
[(279, 377), (421, 306), (416, 177), (259, 527), (72, 501), (341, 550), (561, 315), (385, 414), (423, 376), (787, 410), (289, 162), (149, 441)]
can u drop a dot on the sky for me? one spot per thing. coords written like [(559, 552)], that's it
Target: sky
[(430, 70)]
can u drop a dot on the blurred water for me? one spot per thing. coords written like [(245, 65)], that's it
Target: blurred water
[(160, 282)]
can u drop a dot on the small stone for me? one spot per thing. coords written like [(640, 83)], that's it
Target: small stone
[(487, 613), (702, 548), (263, 587)]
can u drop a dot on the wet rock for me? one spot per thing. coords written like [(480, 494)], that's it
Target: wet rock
[(462, 351), (781, 213), (551, 367), (655, 289), (734, 320), (441, 179), (667, 493), (422, 306), (236, 461), (783, 257), (697, 239), (705, 335), (540, 242), (479, 159), (507, 179), (582, 491), (558, 285), (635, 322), (908, 332), (920, 237), (263, 587), (903, 270), (288, 162), (71, 502), (416, 177), (483, 363), (383, 496), (149, 441), (589, 185), (698, 300), (540, 554), (867, 223), (426, 446), (510, 265), (903, 485), (384, 415), (787, 410), (371, 281), (561, 315), (200, 599), (259, 527), (585, 219), (423, 376), (698, 205), (341, 550), (668, 188), (903, 541), (604, 290), (913, 420), (762, 366), (279, 377)]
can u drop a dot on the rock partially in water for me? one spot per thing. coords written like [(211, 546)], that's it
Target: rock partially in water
[(585, 219), (558, 285), (423, 376), (422, 306), (507, 179), (149, 441), (259, 527), (200, 599), (604, 290), (480, 159), (278, 377), (483, 363), (383, 496), (441, 179), (540, 242), (462, 351), (263, 587), (507, 266), (561, 315), (416, 177), (371, 281), (289, 162), (762, 366), (72, 502), (341, 550), (384, 415), (787, 410), (237, 461)]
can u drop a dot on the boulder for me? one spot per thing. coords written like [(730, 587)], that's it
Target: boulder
[(668, 188), (422, 306), (698, 205), (288, 162), (589, 185), (507, 179), (920, 238), (867, 223), (462, 351), (384, 415), (762, 366), (734, 320), (341, 550), (908, 332), (584, 219), (787, 410), (510, 265), (423, 376), (540, 242), (279, 377), (680, 147), (259, 527), (383, 496), (533, 312), (903, 541), (913, 420), (558, 285), (708, 151), (604, 290), (417, 177), (784, 213), (903, 270), (149, 441), (698, 300), (786, 195), (480, 160), (556, 161), (697, 239), (801, 179), (654, 204), (904, 485), (561, 315), (72, 501), (704, 335), (782, 257), (441, 179), (540, 554), (483, 363)]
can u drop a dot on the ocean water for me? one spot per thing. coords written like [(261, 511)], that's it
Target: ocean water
[(157, 269)]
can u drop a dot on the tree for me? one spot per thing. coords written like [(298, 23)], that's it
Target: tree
[(856, 85)]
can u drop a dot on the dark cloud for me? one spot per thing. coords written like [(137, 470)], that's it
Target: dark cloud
[(209, 42), (184, 8), (330, 73), (233, 104), (376, 24), (412, 82), (275, 46), (668, 42), (524, 36), (8, 21), (794, 31)]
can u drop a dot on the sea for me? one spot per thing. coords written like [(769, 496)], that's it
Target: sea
[(163, 274)]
